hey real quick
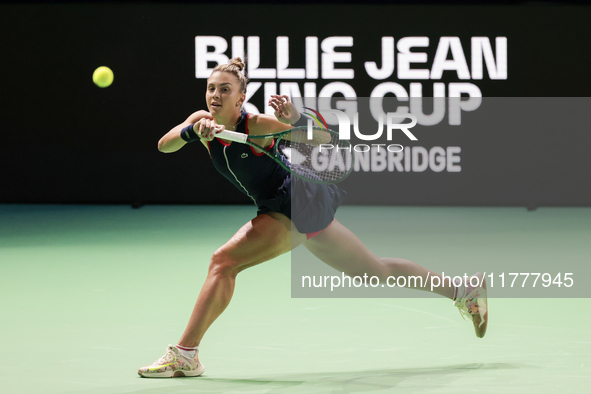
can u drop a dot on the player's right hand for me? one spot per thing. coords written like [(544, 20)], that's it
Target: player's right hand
[(206, 129)]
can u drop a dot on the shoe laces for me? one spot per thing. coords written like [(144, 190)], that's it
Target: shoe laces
[(470, 306), (168, 357), (464, 311)]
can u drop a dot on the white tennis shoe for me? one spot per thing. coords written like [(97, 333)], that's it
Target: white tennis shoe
[(472, 303), (173, 364)]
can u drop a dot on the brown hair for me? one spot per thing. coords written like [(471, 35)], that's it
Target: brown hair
[(234, 67)]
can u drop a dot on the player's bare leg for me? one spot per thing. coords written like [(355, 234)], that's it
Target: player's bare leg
[(338, 247), (262, 239)]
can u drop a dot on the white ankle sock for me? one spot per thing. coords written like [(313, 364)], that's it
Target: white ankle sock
[(189, 352)]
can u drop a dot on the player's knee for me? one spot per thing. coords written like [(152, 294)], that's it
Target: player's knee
[(222, 264), (396, 266)]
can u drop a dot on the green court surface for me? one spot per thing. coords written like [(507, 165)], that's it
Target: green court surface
[(91, 293)]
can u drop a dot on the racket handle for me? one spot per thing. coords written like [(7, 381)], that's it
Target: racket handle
[(232, 136)]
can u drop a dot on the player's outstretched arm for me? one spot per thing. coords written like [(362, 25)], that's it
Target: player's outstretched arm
[(172, 141)]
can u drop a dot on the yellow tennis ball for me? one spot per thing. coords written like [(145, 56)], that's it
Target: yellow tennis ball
[(103, 77)]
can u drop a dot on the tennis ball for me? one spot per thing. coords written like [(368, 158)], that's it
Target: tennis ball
[(103, 77)]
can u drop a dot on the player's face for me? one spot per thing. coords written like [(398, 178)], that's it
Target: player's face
[(223, 94)]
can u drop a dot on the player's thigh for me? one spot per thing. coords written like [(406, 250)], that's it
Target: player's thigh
[(338, 247), (263, 238)]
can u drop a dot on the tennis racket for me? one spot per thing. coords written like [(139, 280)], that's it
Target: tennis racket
[(314, 154)]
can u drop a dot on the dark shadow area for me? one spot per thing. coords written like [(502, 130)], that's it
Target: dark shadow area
[(335, 382)]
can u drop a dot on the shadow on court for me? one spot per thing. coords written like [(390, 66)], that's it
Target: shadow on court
[(402, 380)]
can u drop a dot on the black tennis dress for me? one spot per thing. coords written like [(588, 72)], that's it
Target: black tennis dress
[(311, 207)]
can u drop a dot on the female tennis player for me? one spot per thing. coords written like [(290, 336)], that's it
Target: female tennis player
[(273, 232)]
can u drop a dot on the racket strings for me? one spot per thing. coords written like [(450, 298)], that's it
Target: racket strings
[(324, 158)]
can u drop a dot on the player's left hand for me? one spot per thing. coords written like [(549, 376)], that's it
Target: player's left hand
[(284, 108)]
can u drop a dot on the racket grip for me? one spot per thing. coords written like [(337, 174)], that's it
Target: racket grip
[(232, 136)]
